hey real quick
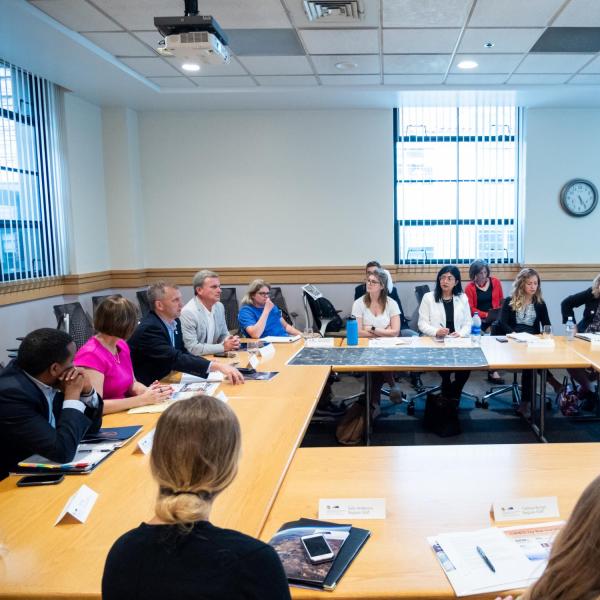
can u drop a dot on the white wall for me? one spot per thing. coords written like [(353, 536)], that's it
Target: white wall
[(561, 144), (88, 226), (267, 188)]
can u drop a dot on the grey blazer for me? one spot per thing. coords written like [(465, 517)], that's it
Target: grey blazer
[(194, 328)]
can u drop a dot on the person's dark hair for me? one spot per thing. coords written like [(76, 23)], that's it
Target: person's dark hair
[(373, 263), (116, 316), (476, 267), (457, 291), (42, 348)]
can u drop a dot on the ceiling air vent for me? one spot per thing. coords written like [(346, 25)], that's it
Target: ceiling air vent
[(334, 10)]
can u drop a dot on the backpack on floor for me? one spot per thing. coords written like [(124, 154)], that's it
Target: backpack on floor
[(351, 427), (441, 415), (568, 401)]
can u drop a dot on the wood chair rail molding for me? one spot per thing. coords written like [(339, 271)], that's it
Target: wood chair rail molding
[(25, 291)]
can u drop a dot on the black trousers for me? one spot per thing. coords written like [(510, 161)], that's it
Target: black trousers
[(453, 388)]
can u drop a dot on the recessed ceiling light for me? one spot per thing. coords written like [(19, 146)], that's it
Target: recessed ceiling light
[(345, 66), (488, 45), (467, 64), (190, 67)]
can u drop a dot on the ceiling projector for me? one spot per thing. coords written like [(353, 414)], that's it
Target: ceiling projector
[(193, 38)]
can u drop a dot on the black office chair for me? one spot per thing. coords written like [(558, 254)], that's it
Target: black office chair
[(323, 316), (279, 301), (75, 321), (97, 300), (142, 298), (230, 303)]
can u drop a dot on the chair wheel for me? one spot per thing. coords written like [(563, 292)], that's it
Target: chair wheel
[(410, 409)]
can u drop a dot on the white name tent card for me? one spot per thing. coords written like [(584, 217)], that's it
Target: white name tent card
[(222, 397), (144, 444), (215, 376), (390, 342), (267, 351), (319, 342), (351, 508), (457, 342), (541, 343), (253, 361), (281, 339), (520, 509), (79, 505)]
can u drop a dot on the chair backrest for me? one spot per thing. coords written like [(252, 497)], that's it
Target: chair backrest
[(142, 298), (322, 311), (78, 324), (230, 303), (279, 301), (97, 300), (420, 291)]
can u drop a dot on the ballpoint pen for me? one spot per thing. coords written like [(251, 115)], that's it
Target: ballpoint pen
[(486, 560)]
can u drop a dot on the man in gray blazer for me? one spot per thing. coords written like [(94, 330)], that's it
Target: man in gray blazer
[(203, 323)]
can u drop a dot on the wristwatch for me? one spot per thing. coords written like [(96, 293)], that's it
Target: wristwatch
[(372, 328)]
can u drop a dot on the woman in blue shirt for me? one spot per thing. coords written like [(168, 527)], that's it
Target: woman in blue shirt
[(259, 317)]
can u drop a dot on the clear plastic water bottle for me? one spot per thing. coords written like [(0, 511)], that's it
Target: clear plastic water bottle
[(352, 331), (476, 329), (570, 329)]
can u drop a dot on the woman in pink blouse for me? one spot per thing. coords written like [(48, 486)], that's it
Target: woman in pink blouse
[(105, 358)]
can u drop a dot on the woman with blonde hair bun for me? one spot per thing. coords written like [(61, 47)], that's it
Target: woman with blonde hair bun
[(179, 553), (572, 572)]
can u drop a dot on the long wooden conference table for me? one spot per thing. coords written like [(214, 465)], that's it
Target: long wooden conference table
[(428, 489)]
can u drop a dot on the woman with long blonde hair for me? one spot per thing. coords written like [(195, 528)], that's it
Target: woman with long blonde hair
[(572, 572), (179, 553), (525, 311)]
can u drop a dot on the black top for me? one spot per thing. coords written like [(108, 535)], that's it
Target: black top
[(24, 425), (361, 290), (154, 356), (449, 310), (591, 306), (484, 298), (508, 319), (156, 562)]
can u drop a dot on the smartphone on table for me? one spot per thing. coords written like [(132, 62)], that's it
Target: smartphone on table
[(316, 548), (30, 480)]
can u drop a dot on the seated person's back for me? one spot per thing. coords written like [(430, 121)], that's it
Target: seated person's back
[(179, 553)]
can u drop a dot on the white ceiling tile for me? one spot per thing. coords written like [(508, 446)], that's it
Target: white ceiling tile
[(370, 18), (76, 15), (277, 65), (415, 63), (413, 79), (593, 67), (586, 79), (553, 63), (150, 67), (365, 64), (350, 79), (224, 82), (165, 83), (152, 38), (428, 13), (488, 63), (419, 41), (579, 13), (504, 40), (136, 14), (538, 78), (298, 80), (120, 44), (475, 79), (340, 41), (514, 13), (232, 68)]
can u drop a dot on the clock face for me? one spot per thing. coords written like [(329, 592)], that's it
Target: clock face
[(579, 197)]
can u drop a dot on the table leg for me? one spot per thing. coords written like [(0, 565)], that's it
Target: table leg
[(368, 376), (539, 431)]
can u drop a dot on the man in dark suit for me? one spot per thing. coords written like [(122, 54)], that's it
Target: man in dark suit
[(157, 344), (46, 404), (361, 290)]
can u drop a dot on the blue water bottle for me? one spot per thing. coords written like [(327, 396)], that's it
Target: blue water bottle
[(352, 331)]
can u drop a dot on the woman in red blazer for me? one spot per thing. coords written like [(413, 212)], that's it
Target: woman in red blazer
[(485, 296)]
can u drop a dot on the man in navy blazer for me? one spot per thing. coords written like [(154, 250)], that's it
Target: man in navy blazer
[(157, 345), (46, 404)]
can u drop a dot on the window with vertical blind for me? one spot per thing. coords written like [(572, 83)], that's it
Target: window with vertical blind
[(32, 219), (456, 184)]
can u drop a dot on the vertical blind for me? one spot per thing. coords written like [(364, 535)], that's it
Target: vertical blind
[(456, 184), (32, 183)]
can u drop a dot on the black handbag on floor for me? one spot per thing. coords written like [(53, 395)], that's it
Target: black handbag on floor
[(441, 415)]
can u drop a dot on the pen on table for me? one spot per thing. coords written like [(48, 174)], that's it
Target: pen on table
[(486, 560)]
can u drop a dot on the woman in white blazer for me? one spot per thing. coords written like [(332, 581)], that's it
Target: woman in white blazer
[(446, 312)]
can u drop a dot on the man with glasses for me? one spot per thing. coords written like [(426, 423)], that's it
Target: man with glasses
[(361, 290), (46, 404)]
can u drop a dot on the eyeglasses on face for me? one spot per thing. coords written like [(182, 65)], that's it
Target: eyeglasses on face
[(263, 293), (373, 282)]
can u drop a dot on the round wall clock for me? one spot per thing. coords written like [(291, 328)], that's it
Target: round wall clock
[(579, 197)]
